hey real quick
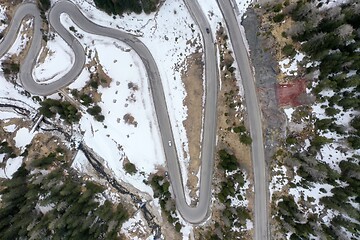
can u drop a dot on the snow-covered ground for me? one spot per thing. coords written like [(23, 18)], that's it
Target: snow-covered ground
[(11, 167), (23, 137), (135, 228), (12, 95), (155, 31), (2, 18), (80, 163), (241, 193), (10, 128), (331, 153), (57, 63), (312, 195), (326, 4), (308, 197), (114, 140), (290, 66), (278, 180), (170, 28)]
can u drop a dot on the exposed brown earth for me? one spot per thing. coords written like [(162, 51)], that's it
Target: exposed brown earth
[(290, 94), (129, 119), (193, 81), (46, 143), (100, 75)]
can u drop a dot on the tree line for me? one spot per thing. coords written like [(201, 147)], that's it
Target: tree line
[(122, 6), (46, 199), (229, 187)]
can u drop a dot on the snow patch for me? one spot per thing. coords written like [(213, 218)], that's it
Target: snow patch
[(10, 128), (289, 112), (80, 162), (278, 180), (290, 66), (12, 165), (23, 137), (312, 194), (135, 228)]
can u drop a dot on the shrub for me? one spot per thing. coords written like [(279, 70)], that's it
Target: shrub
[(15, 67), (75, 93), (239, 129), (149, 5), (227, 161), (85, 99), (119, 7), (95, 110), (289, 50), (94, 84), (290, 140), (130, 168), (279, 17), (323, 124), (245, 139), (5, 148), (68, 112), (355, 123), (277, 7), (44, 162), (99, 118), (72, 28), (44, 5), (319, 141), (354, 142), (330, 111), (10, 67), (177, 226)]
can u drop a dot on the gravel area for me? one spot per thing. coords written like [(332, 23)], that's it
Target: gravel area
[(266, 69)]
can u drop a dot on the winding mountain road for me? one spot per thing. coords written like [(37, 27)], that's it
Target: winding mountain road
[(194, 215), (254, 117), (199, 213)]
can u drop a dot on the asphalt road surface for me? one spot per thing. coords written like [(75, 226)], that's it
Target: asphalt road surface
[(254, 116), (194, 215)]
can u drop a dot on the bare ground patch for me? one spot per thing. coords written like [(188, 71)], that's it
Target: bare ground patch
[(45, 143), (193, 80)]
